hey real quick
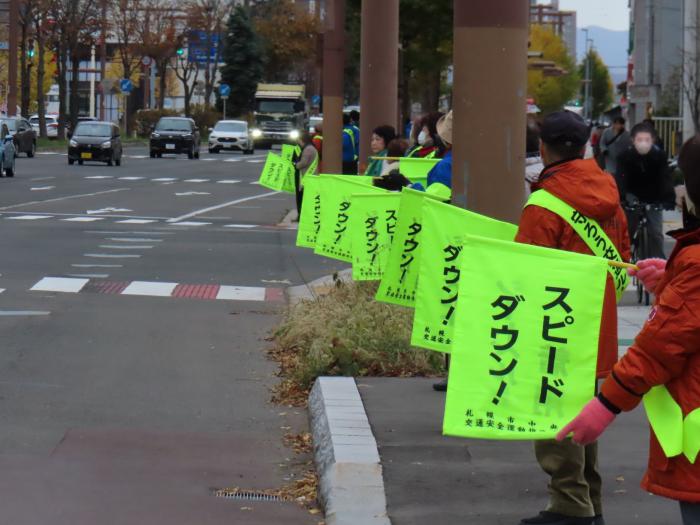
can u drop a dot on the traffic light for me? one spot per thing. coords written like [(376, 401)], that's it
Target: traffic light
[(30, 48), (180, 51)]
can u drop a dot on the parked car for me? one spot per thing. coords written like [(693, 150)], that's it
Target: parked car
[(96, 141), (7, 152), (233, 135), (175, 135), (23, 135), (51, 125)]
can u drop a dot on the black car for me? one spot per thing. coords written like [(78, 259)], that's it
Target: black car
[(95, 141), (23, 135), (175, 135)]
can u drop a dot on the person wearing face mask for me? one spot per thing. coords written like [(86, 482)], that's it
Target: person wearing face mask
[(429, 145), (643, 178), (665, 357)]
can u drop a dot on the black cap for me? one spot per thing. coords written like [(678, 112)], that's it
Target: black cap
[(565, 128)]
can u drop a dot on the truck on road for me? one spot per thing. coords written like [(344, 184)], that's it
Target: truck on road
[(280, 114)]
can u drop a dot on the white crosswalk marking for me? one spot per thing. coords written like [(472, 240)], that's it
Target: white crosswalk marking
[(196, 180), (111, 256), (59, 284), (241, 293), (164, 179), (150, 288), (124, 247), (254, 161), (100, 177), (29, 217), (83, 219), (137, 221), (189, 223), (227, 181), (131, 178)]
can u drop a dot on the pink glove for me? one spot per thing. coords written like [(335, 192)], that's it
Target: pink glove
[(591, 422), (650, 272)]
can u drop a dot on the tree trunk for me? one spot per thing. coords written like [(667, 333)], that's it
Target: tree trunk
[(40, 73), (25, 69), (62, 65), (74, 98), (162, 82)]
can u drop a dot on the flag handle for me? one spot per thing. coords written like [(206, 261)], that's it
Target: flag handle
[(625, 265), (404, 158)]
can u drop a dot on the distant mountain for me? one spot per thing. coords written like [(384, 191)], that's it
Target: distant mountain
[(612, 47)]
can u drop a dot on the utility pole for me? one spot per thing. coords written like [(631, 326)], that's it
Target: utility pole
[(489, 101), (333, 85), (93, 65), (12, 59), (690, 65), (379, 69)]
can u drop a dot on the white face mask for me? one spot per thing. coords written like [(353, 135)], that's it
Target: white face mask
[(422, 136), (643, 146)]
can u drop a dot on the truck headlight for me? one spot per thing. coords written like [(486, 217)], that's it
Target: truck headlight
[(294, 134), (256, 133)]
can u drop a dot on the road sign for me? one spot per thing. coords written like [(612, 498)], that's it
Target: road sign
[(202, 47), (146, 61), (125, 85), (315, 100), (4, 46), (224, 90)]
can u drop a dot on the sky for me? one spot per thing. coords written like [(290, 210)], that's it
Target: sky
[(610, 14)]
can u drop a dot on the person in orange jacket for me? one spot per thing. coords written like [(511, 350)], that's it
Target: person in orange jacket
[(666, 352), (575, 484)]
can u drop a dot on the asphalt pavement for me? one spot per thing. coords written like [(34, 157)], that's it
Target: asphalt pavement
[(134, 305)]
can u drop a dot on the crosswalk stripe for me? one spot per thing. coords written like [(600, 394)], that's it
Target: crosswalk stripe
[(59, 284), (83, 219), (137, 221), (226, 181), (29, 217), (189, 223)]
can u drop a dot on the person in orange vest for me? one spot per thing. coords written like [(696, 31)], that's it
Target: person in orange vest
[(665, 357), (317, 140)]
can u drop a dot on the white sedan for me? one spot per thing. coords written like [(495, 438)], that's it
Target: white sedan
[(51, 125)]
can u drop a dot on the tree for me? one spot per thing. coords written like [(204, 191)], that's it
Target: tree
[(243, 66), (126, 16), (288, 35), (186, 72), (26, 49), (551, 92), (208, 17), (601, 83)]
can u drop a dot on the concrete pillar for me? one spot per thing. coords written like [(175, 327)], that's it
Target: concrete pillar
[(333, 85), (690, 67), (379, 69), (489, 103)]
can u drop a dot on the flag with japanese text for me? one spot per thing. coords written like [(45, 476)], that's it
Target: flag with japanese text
[(372, 226), (277, 174), (417, 169), (445, 228), (525, 340), (400, 279), (310, 216), (333, 239)]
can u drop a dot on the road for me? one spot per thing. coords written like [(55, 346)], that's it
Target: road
[(134, 306)]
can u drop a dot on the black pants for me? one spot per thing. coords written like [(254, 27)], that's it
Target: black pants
[(299, 190), (690, 513), (350, 168)]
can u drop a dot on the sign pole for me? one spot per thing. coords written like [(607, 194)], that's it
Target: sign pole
[(224, 108)]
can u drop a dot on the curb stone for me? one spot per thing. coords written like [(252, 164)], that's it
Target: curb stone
[(351, 486), (311, 290)]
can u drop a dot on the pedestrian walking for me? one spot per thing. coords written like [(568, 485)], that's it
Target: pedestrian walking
[(574, 481), (665, 356), (614, 142)]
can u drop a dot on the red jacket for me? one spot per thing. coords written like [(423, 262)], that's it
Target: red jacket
[(591, 191), (667, 352)]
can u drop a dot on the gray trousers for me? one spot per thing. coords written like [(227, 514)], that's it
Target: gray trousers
[(690, 513)]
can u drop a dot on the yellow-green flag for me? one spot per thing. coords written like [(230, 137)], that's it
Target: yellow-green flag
[(372, 226), (277, 174), (333, 239), (417, 169), (310, 217), (400, 279), (526, 340), (446, 227), (289, 151), (676, 435)]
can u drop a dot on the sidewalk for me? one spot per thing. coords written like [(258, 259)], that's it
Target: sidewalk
[(434, 479)]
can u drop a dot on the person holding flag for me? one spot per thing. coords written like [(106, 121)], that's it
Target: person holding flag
[(568, 181), (663, 365)]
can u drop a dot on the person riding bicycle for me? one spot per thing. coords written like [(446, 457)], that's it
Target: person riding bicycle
[(643, 179)]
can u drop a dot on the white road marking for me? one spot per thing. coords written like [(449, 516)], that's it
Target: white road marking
[(233, 160), (137, 156), (164, 179), (255, 161), (133, 239), (111, 256), (125, 232), (29, 217), (137, 221), (42, 188), (23, 313), (2, 290), (190, 223), (240, 226), (97, 265), (59, 284), (131, 178), (100, 177), (241, 293), (90, 275), (124, 247), (64, 198), (255, 183), (42, 178), (188, 193), (150, 288), (196, 180), (83, 219), (107, 210), (219, 206), (227, 181)]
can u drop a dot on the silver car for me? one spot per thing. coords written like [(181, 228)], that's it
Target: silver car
[(233, 135)]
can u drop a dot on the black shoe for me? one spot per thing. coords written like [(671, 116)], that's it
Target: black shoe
[(553, 518), (441, 386), (599, 520)]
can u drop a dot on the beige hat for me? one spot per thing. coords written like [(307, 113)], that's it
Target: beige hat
[(444, 128)]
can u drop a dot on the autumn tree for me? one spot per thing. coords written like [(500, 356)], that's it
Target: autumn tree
[(126, 17), (551, 92), (243, 66), (288, 36), (187, 72), (601, 84), (27, 11), (43, 32)]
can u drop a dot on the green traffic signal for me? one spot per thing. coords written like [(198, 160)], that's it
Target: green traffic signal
[(31, 53), (180, 51)]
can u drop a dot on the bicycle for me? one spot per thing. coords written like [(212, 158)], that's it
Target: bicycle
[(640, 241)]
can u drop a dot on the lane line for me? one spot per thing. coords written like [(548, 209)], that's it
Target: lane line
[(190, 223), (104, 215), (219, 206), (197, 180), (90, 275), (110, 256), (137, 221), (83, 219), (127, 232), (22, 313), (42, 188), (241, 225), (133, 239), (227, 181), (100, 177), (124, 247), (164, 179), (97, 265), (131, 178), (29, 217), (59, 284), (43, 178), (68, 197)]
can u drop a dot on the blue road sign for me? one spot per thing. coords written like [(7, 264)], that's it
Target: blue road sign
[(202, 47), (224, 90), (315, 100), (125, 85)]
